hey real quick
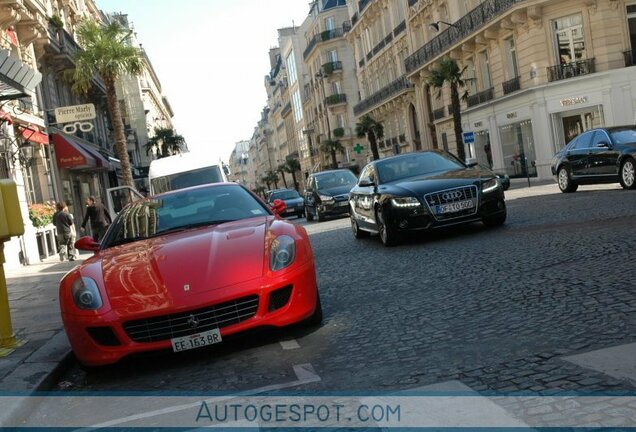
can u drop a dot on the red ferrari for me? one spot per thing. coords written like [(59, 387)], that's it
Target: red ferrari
[(185, 269)]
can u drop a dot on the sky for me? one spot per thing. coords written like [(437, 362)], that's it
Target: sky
[(211, 57)]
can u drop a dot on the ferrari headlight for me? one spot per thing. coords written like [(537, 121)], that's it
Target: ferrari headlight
[(282, 252), (326, 199), (405, 202), (86, 294), (489, 185)]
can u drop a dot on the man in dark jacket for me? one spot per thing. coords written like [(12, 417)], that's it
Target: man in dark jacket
[(63, 222), (98, 216)]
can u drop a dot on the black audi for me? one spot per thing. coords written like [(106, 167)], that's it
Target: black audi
[(604, 155), (420, 191)]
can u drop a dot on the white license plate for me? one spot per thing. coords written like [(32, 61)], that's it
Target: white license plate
[(342, 204), (454, 207), (198, 340)]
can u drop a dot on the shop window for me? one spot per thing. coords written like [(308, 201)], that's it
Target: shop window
[(519, 153)]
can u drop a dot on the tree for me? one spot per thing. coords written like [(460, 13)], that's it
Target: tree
[(292, 165), (166, 142), (265, 179), (373, 130), (448, 71), (331, 147), (273, 178), (106, 52), (281, 170)]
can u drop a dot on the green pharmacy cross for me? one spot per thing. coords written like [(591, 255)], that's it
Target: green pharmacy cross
[(358, 148)]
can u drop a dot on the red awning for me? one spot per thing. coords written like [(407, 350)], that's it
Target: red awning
[(12, 36), (70, 154), (33, 134)]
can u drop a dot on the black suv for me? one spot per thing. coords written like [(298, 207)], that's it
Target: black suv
[(295, 204), (327, 193)]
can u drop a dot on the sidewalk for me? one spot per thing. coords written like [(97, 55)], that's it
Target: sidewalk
[(35, 313)]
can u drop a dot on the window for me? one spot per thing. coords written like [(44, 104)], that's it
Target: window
[(291, 68), (297, 106), (600, 137), (332, 56), (484, 70), (330, 23), (470, 77), (340, 120), (510, 54), (583, 142), (336, 87), (570, 43)]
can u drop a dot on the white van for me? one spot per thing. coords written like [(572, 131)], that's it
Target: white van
[(183, 170)]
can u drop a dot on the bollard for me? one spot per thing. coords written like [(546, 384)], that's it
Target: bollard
[(11, 224)]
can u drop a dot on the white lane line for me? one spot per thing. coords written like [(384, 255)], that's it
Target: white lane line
[(289, 344), (305, 374)]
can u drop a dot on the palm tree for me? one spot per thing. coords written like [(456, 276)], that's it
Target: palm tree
[(281, 170), (272, 176), (166, 142), (265, 179), (448, 71), (292, 166), (331, 147), (373, 130), (106, 52)]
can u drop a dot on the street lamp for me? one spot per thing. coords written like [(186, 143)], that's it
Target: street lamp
[(435, 25)]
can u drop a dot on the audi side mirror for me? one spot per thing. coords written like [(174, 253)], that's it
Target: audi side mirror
[(603, 144), (366, 182), (471, 162)]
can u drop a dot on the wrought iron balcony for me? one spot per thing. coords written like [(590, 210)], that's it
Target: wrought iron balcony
[(481, 97), (331, 67), (571, 70), (438, 113), (336, 99), (511, 86), (384, 94), (322, 37), (630, 58), (354, 19), (467, 25), (402, 138), (399, 28)]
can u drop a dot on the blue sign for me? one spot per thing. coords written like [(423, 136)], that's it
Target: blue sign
[(469, 137)]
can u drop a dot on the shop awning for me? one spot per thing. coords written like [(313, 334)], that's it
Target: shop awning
[(16, 78), (33, 134), (72, 153)]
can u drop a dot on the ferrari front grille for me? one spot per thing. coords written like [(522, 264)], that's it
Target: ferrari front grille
[(166, 327)]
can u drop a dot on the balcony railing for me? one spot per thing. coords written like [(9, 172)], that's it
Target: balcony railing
[(630, 57), (571, 70), (321, 37), (363, 4), (511, 86), (481, 97), (464, 27), (331, 67), (402, 138), (336, 99), (438, 113), (354, 19), (400, 28), (384, 94)]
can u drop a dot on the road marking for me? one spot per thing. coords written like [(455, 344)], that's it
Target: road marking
[(305, 374), (289, 344)]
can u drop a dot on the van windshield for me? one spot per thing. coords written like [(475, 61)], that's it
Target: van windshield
[(186, 179)]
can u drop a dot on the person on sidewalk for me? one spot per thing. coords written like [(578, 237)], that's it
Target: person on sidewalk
[(63, 222), (98, 216)]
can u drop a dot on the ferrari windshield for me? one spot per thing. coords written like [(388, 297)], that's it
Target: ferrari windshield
[(183, 209), (416, 164)]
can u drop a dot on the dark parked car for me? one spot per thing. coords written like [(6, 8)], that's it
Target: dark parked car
[(420, 191), (327, 193), (605, 155), (294, 202)]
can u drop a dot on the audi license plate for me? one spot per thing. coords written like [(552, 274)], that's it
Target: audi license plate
[(196, 340), (342, 204), (454, 207)]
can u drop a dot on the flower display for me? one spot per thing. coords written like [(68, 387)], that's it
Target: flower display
[(41, 214)]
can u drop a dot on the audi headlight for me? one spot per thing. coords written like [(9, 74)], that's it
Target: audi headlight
[(326, 199), (282, 252), (406, 202), (86, 294), (489, 185)]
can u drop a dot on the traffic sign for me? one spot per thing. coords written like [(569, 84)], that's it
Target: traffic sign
[(469, 137), (75, 113)]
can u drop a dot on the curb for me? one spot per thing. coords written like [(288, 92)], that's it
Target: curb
[(46, 364)]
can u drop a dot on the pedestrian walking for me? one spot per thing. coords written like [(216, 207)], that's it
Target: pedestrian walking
[(98, 217), (64, 224)]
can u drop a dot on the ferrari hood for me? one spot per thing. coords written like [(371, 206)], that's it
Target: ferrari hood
[(155, 273)]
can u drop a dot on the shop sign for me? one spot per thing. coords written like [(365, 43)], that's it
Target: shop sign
[(511, 115), (573, 101), (76, 113)]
